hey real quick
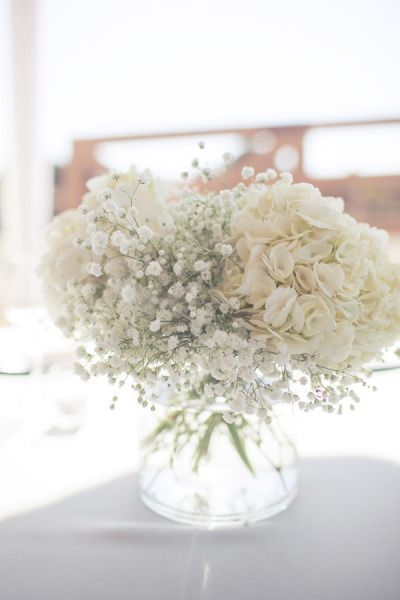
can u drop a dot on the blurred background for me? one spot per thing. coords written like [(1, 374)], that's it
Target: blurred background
[(311, 87)]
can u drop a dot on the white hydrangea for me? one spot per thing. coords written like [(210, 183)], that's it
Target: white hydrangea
[(316, 281)]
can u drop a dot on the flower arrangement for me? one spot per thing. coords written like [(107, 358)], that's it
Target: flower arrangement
[(229, 303), (245, 295)]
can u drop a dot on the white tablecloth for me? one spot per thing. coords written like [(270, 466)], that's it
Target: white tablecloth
[(340, 540)]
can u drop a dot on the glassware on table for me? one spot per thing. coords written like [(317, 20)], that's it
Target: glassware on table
[(198, 469)]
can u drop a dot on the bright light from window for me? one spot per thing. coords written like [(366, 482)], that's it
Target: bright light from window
[(5, 84), (140, 66), (343, 151), (167, 158)]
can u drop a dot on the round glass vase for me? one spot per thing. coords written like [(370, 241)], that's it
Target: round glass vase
[(198, 469)]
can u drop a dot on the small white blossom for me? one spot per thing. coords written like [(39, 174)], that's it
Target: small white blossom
[(81, 309), (153, 268), (206, 174), (226, 195), (145, 177), (145, 233), (271, 174), (94, 268), (234, 302), (117, 237), (81, 372), (286, 177), (110, 206), (228, 158), (155, 325), (229, 418), (99, 241), (135, 337), (247, 172), (200, 265), (178, 268), (128, 293), (225, 249), (225, 308)]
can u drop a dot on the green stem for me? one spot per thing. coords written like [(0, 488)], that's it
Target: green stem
[(239, 445), (204, 443), (185, 426)]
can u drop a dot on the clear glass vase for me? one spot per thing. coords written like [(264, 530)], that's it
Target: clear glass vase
[(198, 469)]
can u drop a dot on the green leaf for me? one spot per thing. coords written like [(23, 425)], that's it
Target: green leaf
[(204, 443), (239, 446)]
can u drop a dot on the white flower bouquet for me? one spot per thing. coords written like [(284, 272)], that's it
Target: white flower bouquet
[(252, 296)]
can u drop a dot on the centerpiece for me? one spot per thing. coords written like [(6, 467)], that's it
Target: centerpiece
[(223, 310)]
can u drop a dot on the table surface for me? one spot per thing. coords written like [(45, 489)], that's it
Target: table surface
[(73, 528), (339, 540)]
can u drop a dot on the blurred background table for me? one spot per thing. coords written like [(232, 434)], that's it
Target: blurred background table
[(72, 525), (339, 540)]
